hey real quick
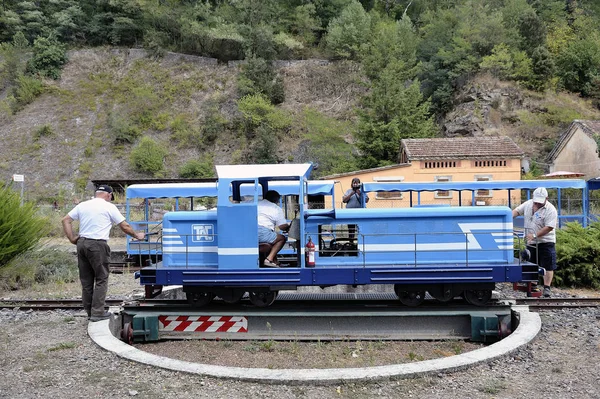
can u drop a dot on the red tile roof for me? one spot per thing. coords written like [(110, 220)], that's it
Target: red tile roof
[(461, 148)]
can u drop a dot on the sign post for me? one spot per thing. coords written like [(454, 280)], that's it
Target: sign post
[(20, 178)]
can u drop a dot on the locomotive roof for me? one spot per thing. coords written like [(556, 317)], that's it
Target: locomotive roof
[(270, 171)]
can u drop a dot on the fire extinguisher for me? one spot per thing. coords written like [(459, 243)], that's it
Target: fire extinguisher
[(310, 253)]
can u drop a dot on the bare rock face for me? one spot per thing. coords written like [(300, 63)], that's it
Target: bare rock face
[(482, 107)]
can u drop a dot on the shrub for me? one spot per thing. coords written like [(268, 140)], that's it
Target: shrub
[(43, 131), (148, 156), (263, 150), (259, 77), (48, 58), (43, 266), (197, 169), (20, 227), (123, 130), (26, 90), (578, 255), (257, 110), (213, 125)]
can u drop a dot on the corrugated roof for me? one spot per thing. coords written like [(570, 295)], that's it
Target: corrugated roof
[(461, 148), (589, 127)]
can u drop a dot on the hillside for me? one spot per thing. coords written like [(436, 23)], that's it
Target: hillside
[(81, 128)]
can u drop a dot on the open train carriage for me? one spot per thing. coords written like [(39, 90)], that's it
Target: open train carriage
[(145, 206), (446, 251)]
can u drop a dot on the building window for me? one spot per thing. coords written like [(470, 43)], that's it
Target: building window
[(439, 164), (389, 195), (440, 193), (483, 193), (490, 163)]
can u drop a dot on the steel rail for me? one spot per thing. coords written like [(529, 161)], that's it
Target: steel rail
[(337, 301), (541, 304)]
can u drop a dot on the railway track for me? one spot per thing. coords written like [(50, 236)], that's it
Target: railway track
[(538, 304), (371, 317), (123, 267), (162, 304)]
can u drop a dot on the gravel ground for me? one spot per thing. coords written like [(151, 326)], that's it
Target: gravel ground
[(48, 354)]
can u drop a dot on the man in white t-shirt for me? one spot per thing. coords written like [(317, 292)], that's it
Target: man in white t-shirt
[(540, 236), (96, 217), (270, 216)]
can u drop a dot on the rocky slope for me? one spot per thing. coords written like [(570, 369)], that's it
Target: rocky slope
[(97, 87)]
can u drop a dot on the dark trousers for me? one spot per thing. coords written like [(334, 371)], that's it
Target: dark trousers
[(93, 258), (546, 257)]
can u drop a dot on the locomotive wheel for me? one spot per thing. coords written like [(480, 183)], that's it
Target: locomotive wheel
[(441, 293), (478, 297), (127, 334), (232, 296), (263, 299), (198, 299), (411, 298)]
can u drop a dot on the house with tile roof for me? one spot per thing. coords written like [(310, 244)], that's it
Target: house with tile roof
[(444, 160), (576, 150)]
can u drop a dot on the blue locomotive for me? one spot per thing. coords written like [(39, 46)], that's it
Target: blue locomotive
[(445, 251)]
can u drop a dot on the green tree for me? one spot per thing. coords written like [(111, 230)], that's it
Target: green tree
[(10, 24), (394, 110), (452, 46), (499, 63), (20, 226), (305, 23), (48, 57), (68, 22), (505, 63), (391, 41), (579, 64), (532, 31), (33, 18), (346, 33), (20, 41), (542, 67)]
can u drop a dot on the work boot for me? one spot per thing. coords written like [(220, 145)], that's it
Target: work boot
[(104, 316), (547, 292)]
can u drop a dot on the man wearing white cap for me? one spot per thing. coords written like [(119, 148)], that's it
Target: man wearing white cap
[(540, 223), (96, 218)]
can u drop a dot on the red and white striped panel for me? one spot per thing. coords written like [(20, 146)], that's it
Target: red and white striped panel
[(203, 323)]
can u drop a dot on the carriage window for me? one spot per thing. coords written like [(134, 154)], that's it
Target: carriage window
[(440, 193)]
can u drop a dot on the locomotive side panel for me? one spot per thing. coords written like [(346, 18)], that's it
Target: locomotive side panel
[(190, 239), (414, 237)]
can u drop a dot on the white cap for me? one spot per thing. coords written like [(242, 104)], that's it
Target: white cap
[(539, 195)]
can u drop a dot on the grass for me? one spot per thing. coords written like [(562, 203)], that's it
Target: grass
[(492, 387), (62, 346)]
